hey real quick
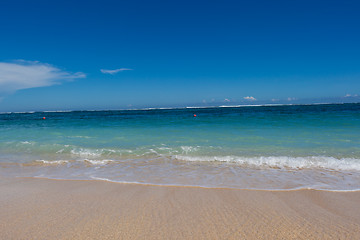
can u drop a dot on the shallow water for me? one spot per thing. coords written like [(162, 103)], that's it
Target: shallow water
[(251, 147)]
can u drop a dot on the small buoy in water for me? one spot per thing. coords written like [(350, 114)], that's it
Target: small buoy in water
[(194, 115), (44, 118)]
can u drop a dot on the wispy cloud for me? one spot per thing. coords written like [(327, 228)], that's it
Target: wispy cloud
[(23, 74), (114, 71), (250, 98)]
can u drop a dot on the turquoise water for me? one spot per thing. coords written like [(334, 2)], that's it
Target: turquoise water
[(257, 147)]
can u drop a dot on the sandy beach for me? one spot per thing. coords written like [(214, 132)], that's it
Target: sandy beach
[(61, 209)]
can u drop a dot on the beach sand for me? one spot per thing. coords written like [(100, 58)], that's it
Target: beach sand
[(61, 209)]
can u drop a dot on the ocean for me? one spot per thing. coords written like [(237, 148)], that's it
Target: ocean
[(245, 147)]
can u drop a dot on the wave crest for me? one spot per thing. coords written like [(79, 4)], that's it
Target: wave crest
[(310, 162)]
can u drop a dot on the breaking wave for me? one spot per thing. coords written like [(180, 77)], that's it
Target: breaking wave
[(309, 162)]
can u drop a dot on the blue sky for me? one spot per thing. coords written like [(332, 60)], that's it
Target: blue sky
[(173, 53)]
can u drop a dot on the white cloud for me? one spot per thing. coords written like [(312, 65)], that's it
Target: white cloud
[(227, 100), (22, 74), (347, 95), (250, 98), (291, 99), (105, 71)]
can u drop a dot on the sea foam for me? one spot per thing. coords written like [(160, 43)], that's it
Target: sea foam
[(309, 162)]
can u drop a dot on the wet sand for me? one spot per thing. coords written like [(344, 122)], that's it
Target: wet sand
[(61, 209)]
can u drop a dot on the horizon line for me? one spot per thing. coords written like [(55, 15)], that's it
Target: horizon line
[(185, 107)]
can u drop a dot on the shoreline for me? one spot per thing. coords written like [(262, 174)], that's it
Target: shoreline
[(194, 186), (34, 208)]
